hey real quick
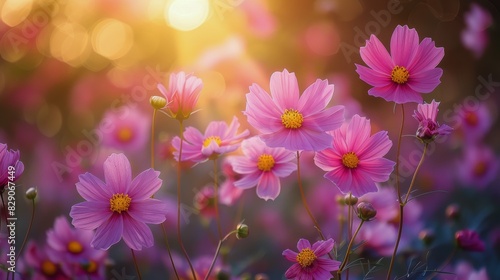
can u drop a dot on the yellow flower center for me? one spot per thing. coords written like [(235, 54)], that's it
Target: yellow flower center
[(75, 247), (306, 257), (400, 75), (265, 162), (480, 169), (48, 268), (471, 118), (350, 160), (292, 119), (124, 134), (119, 202), (90, 267), (208, 140)]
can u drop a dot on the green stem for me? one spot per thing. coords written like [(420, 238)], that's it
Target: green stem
[(216, 200), (153, 140), (169, 252), (136, 265), (348, 252), (217, 253)]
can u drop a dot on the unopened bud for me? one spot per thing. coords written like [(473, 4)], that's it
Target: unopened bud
[(350, 199), (261, 276), (426, 236), (31, 193), (157, 102), (242, 231), (340, 199), (452, 212), (366, 211)]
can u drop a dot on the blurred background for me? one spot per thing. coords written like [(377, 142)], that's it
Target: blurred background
[(68, 68)]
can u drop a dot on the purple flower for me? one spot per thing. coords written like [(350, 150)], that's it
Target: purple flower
[(479, 166), (182, 94), (469, 240), (288, 120), (42, 266), (119, 207), (355, 161), (475, 36), (407, 72), (219, 138), (428, 127), (228, 192), (9, 158), (309, 262), (262, 166)]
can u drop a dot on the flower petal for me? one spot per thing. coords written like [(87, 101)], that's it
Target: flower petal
[(108, 233), (341, 177), (377, 146), (294, 271), (136, 234), (404, 45), (427, 57), (269, 186), (92, 188), (375, 55), (326, 120), (373, 77), (285, 90), (284, 169), (145, 184), (261, 111), (117, 173), (151, 211), (316, 97), (90, 214), (303, 244), (357, 133), (426, 81), (290, 255), (322, 248), (361, 183), (378, 169), (248, 180)]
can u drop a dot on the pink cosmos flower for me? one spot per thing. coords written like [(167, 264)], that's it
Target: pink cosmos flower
[(219, 138), (204, 201), (182, 94), (228, 192), (428, 127), (125, 129), (119, 207), (262, 166), (355, 162), (475, 36), (71, 249), (404, 74), (41, 265), (288, 120), (475, 123), (9, 158), (469, 240), (308, 262), (479, 166)]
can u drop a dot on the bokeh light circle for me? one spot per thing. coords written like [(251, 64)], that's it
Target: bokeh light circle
[(186, 15)]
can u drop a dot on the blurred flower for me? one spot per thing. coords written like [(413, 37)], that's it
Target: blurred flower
[(41, 265), (475, 122), (355, 162), (469, 240), (478, 166), (262, 166), (228, 192), (182, 94), (464, 271), (288, 120), (475, 36), (71, 249), (407, 72), (219, 138), (428, 127), (308, 262), (204, 201), (125, 129), (9, 158), (121, 207)]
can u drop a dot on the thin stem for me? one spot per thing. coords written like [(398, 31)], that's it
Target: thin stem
[(217, 253), (400, 227), (29, 228), (216, 200), (179, 236), (304, 201), (136, 265), (348, 252), (415, 175), (153, 140), (444, 264), (169, 252)]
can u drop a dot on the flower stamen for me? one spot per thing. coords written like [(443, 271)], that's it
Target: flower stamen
[(400, 75), (119, 202), (209, 140), (265, 162), (125, 134), (292, 119), (306, 257), (75, 247), (350, 160)]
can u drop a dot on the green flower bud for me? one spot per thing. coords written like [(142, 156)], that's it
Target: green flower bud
[(242, 231)]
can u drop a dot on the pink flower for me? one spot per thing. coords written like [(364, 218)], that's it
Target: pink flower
[(182, 94), (125, 129), (428, 127), (262, 166), (355, 162), (119, 207), (479, 166), (228, 192), (293, 122), (407, 72), (9, 158), (475, 36), (308, 262), (469, 240), (219, 138), (41, 265)]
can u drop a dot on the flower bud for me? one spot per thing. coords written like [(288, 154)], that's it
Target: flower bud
[(452, 212), (469, 240), (242, 231), (350, 199), (366, 211), (31, 193), (261, 276), (157, 102), (426, 236), (340, 199)]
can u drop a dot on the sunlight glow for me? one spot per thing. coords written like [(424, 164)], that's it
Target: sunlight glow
[(186, 15)]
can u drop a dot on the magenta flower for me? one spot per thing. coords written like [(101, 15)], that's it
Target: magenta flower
[(41, 265), (469, 240), (475, 36), (479, 166), (428, 127), (228, 192), (309, 262), (219, 138), (125, 129), (182, 94), (9, 158), (407, 72), (355, 162), (119, 207), (262, 166), (292, 122)]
